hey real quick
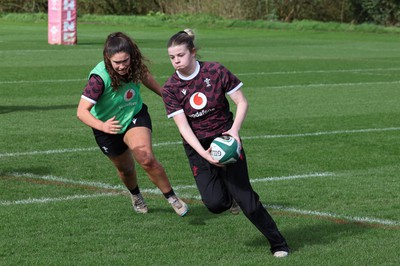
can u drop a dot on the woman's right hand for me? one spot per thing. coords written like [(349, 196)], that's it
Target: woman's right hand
[(207, 155), (111, 126)]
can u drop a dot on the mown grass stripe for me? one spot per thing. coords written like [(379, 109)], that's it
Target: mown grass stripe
[(280, 178), (48, 200), (266, 87), (154, 191), (335, 216), (320, 133), (369, 220), (300, 72)]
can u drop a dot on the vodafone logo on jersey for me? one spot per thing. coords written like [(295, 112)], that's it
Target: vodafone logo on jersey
[(198, 100), (129, 94)]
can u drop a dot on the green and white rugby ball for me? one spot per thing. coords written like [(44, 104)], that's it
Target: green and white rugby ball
[(225, 149)]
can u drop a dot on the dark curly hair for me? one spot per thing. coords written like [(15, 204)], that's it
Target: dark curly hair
[(119, 42)]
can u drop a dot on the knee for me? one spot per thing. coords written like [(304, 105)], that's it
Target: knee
[(146, 160), (216, 206)]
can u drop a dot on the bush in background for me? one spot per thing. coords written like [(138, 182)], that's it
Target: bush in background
[(381, 12), (106, 7)]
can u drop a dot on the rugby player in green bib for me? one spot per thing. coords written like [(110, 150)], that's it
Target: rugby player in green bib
[(112, 106)]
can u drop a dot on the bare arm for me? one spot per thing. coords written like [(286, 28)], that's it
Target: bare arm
[(152, 84), (187, 133), (111, 126), (241, 102)]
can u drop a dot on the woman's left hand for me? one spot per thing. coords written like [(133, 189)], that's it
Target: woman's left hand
[(234, 134)]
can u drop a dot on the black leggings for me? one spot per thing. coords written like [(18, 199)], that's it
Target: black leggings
[(219, 185)]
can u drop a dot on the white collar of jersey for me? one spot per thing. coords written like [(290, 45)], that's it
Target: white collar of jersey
[(196, 71)]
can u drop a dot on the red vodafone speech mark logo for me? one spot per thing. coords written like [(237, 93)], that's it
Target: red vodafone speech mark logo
[(129, 94), (198, 100)]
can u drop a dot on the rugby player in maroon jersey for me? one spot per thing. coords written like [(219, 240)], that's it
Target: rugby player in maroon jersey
[(195, 97)]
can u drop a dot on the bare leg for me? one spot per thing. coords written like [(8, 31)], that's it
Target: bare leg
[(138, 140), (126, 169)]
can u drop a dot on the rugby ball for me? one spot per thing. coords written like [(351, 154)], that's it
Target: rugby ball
[(225, 149)]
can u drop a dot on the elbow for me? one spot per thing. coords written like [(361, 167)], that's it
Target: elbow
[(79, 115)]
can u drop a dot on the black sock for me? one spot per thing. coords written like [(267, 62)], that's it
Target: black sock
[(169, 194), (135, 191)]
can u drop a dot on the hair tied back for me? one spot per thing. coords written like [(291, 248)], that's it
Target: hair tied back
[(189, 32)]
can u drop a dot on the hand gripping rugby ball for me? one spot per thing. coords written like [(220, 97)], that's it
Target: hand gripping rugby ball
[(225, 149)]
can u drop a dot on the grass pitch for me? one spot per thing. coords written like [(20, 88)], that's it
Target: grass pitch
[(321, 136)]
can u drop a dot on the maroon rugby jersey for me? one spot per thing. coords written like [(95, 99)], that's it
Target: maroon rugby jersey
[(202, 97)]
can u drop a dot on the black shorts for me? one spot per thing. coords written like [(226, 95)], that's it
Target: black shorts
[(113, 144)]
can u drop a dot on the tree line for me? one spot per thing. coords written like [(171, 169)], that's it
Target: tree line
[(380, 12)]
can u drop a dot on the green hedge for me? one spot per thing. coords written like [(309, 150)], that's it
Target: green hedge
[(381, 12)]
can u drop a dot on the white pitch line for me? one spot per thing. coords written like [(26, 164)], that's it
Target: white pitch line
[(42, 81), (151, 191), (168, 143), (48, 200), (321, 133), (46, 152), (332, 84), (155, 191), (266, 87), (280, 178), (239, 74), (336, 216), (74, 150), (369, 220), (77, 182), (361, 70)]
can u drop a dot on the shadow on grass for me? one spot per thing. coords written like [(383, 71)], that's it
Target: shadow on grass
[(12, 171), (29, 108), (320, 234), (196, 216), (200, 215)]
